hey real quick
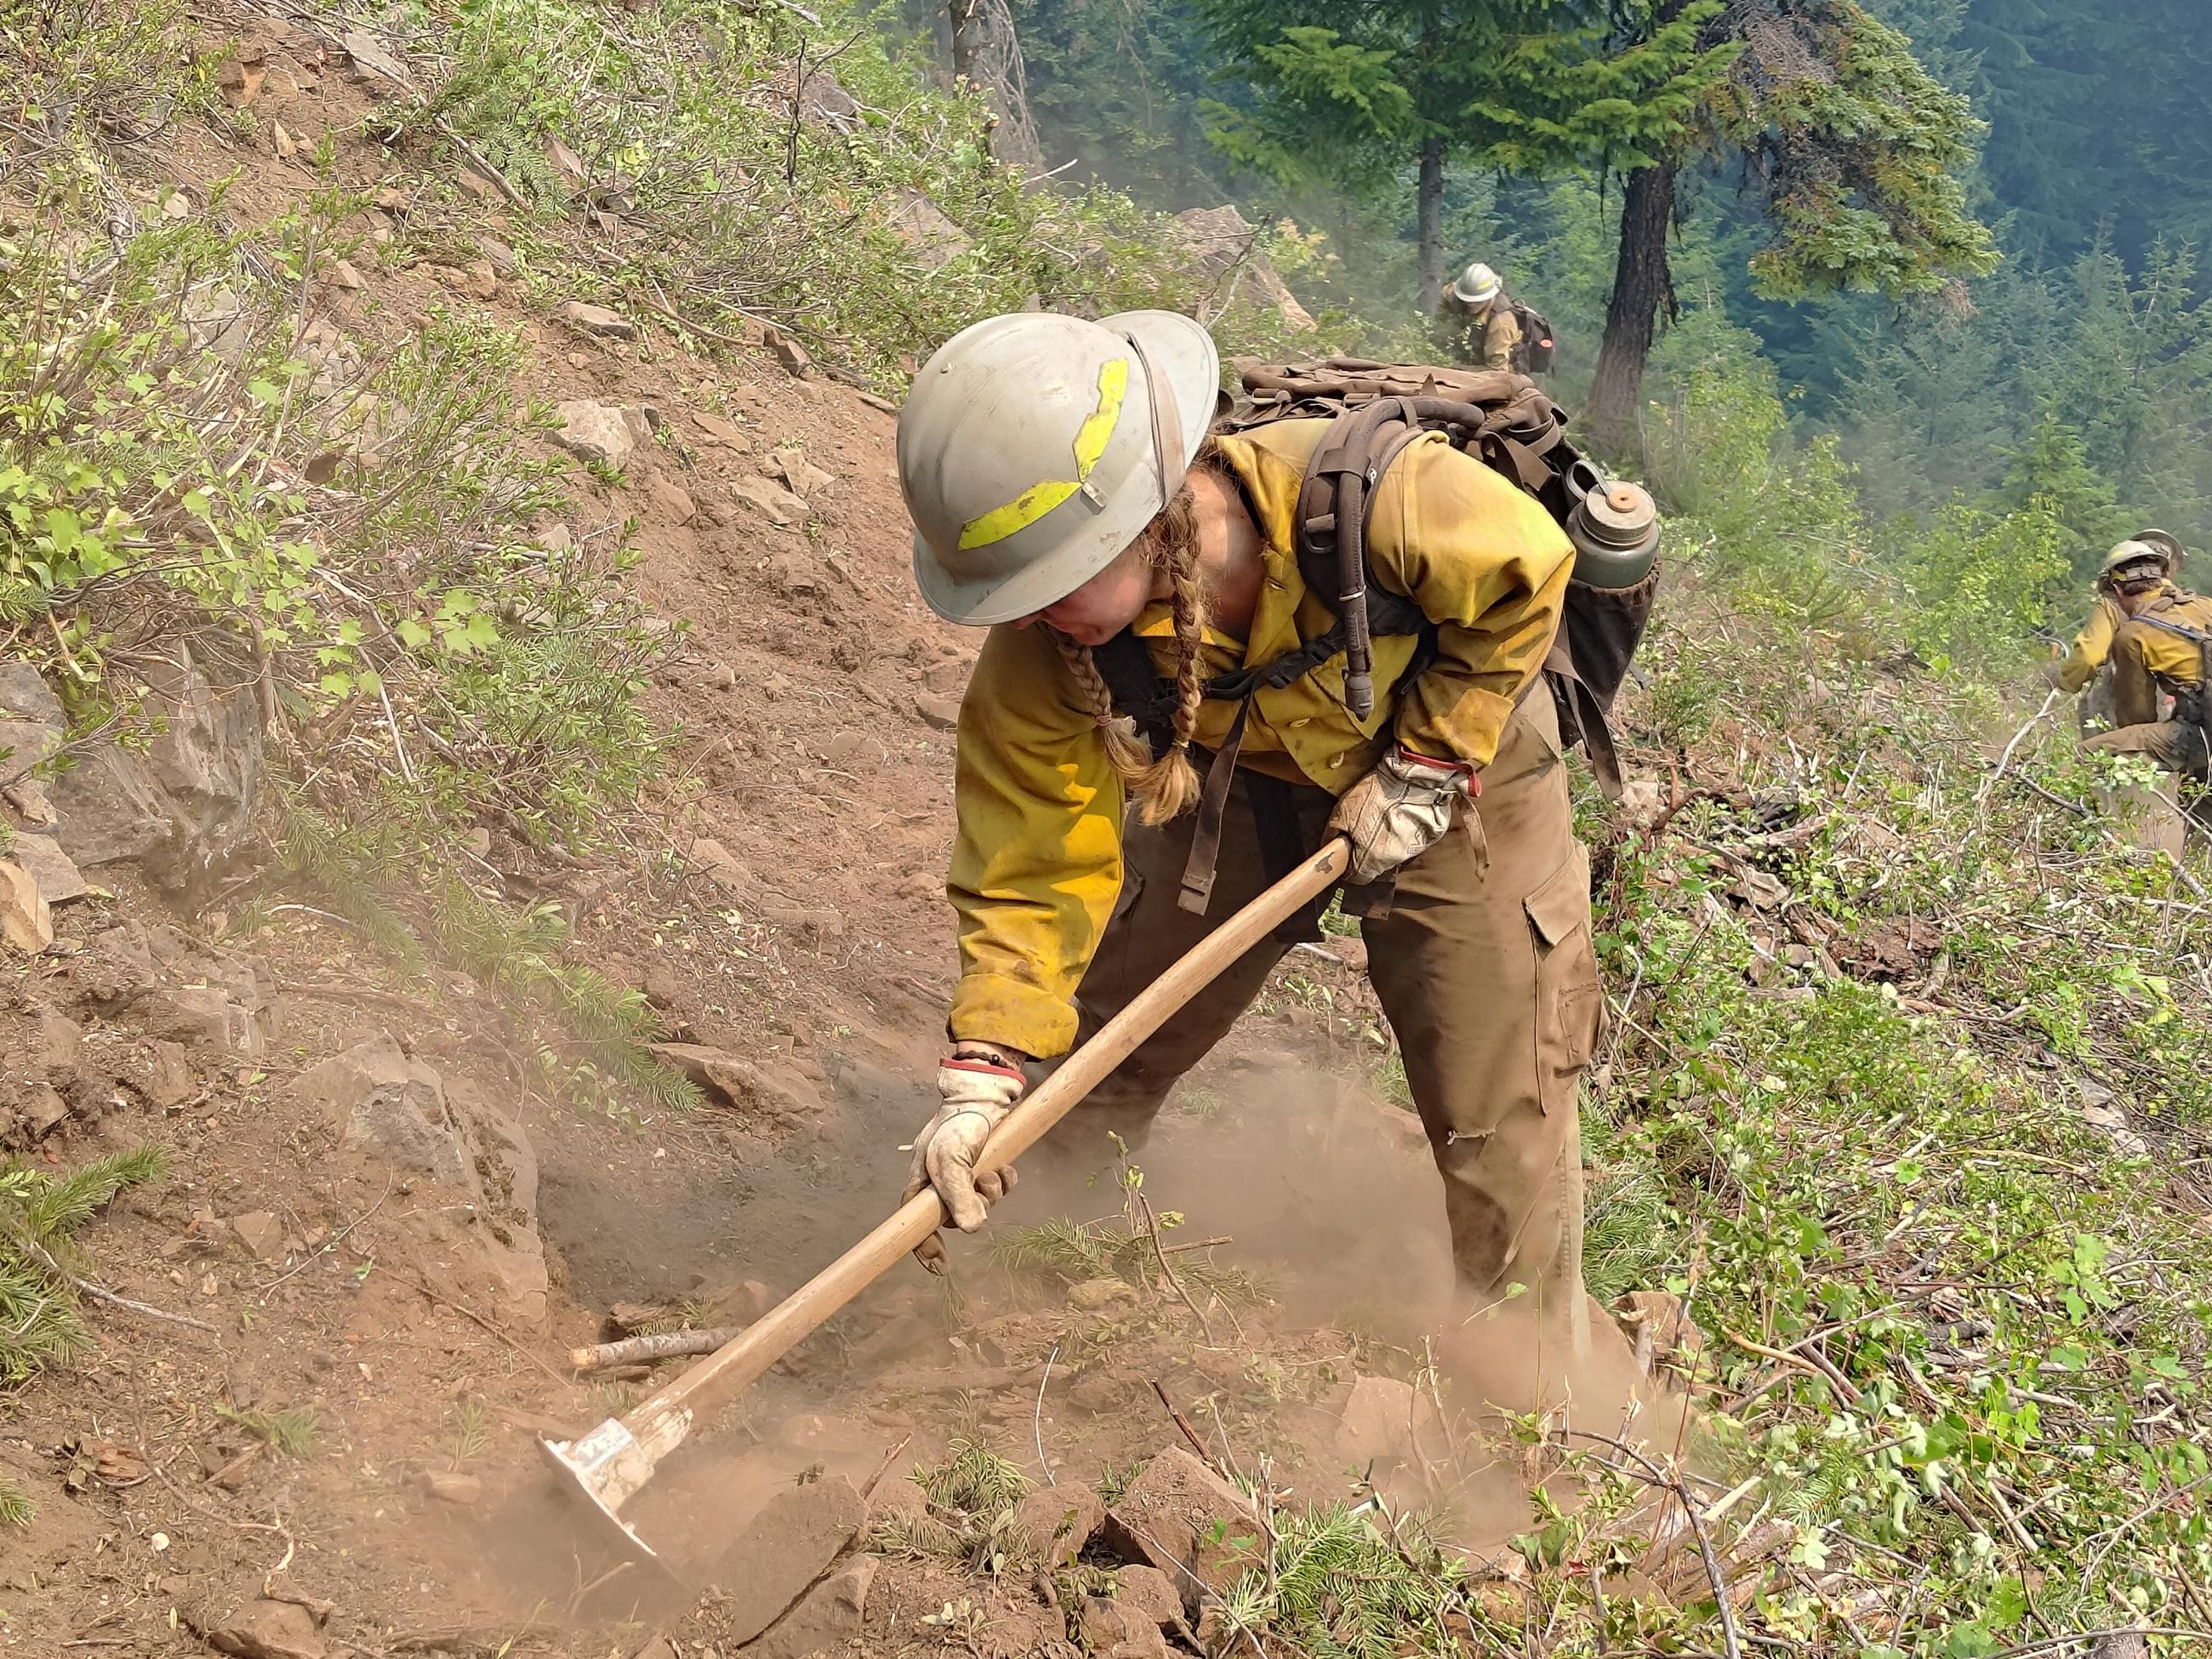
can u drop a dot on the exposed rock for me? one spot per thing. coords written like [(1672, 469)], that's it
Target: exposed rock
[(601, 432), (448, 1486), (26, 921), (826, 1620), (782, 1550), (262, 1630), (728, 433), (942, 712), (1094, 1294), (40, 1111), (1151, 1592), (188, 802), (31, 718), (204, 1017), (53, 870), (823, 100), (377, 1098), (720, 866), (169, 1080), (897, 1498), (262, 1234), (792, 354), (775, 503), (672, 501), (1220, 240), (926, 228), (373, 61), (1180, 1517), (345, 275), (597, 321), (1060, 1520), (31, 804), (820, 920), (1117, 1632), (58, 1039), (736, 1082), (498, 256), (806, 480)]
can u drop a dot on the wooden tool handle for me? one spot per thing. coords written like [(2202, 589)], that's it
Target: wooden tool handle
[(740, 1362)]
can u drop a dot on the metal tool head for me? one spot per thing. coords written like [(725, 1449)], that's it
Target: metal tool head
[(601, 1470)]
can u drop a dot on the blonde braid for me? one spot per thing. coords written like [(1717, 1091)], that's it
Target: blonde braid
[(1169, 786), (1128, 754)]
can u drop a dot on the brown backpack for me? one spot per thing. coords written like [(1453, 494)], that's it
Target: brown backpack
[(1506, 422)]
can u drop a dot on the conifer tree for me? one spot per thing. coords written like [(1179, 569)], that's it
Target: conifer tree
[(1853, 152), (1357, 95)]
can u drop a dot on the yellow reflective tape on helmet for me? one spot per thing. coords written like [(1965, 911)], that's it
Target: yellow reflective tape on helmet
[(1040, 498)]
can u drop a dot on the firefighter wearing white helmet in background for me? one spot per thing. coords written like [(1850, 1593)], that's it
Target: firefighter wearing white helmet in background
[(2151, 638), (1480, 324), (1066, 494)]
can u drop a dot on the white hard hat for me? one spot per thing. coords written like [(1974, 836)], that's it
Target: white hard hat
[(1477, 285), (1031, 450)]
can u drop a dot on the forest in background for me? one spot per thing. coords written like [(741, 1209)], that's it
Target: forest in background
[(2076, 376)]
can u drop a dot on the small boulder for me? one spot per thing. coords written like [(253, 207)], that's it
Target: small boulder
[(597, 321), (671, 498), (26, 923), (345, 275), (372, 61), (1151, 1592), (773, 502), (600, 431), (716, 430), (377, 1098), (940, 712), (1060, 1520), (1093, 1295), (896, 1499), (1180, 1517), (737, 1082), (792, 354), (1378, 1421), (262, 1630), (805, 479), (782, 1550), (261, 1233), (449, 1486), (55, 872), (826, 1621)]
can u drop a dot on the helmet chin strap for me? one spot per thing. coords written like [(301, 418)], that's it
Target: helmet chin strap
[(1167, 423)]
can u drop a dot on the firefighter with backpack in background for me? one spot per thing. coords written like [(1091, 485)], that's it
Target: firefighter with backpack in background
[(2155, 638), (1171, 709), (1486, 327)]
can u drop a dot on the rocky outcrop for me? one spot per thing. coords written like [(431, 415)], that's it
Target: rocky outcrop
[(1225, 250), (182, 806), (376, 1099)]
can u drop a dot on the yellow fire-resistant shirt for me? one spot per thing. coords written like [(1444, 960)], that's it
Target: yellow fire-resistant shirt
[(2173, 658), (1036, 865)]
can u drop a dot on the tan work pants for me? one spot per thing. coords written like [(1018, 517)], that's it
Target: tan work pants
[(2179, 745), (1485, 972)]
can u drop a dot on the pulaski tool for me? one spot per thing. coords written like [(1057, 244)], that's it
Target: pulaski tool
[(606, 1466)]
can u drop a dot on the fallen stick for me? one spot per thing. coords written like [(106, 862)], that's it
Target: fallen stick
[(638, 1350)]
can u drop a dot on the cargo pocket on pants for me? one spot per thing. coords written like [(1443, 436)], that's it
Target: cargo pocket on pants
[(1568, 1005)]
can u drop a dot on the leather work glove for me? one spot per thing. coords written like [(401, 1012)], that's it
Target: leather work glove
[(976, 1091), (1399, 810)]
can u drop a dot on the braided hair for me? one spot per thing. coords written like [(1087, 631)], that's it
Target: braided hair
[(1168, 786)]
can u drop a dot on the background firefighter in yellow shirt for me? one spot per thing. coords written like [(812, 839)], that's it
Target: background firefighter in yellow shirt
[(1479, 324), (2153, 635), (1066, 494)]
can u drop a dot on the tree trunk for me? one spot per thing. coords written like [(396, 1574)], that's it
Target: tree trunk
[(987, 53), (1641, 283), (1429, 210)]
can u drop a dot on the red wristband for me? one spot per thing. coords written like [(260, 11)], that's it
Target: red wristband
[(1473, 779), (976, 1063)]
